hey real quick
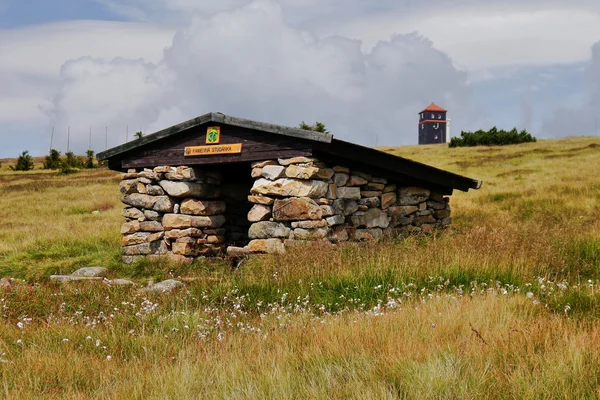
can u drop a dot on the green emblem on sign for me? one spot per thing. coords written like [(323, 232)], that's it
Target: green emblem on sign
[(213, 135)]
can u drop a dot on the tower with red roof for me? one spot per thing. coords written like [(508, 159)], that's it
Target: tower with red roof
[(432, 125)]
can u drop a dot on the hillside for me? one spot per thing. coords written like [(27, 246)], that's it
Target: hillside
[(505, 304)]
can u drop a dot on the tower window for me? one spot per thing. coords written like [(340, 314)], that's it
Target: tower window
[(432, 116), (422, 126), (439, 116)]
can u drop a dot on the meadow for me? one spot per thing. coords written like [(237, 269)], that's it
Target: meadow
[(505, 304)]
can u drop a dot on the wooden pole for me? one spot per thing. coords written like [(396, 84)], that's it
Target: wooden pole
[(90, 140)]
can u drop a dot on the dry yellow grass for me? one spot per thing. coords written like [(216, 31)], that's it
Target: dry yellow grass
[(503, 305)]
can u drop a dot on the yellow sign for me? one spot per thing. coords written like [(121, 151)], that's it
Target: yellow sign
[(213, 150), (213, 135)]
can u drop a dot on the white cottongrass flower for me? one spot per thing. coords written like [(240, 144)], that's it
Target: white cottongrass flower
[(20, 325)]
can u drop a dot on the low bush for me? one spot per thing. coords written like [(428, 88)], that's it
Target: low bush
[(493, 137)]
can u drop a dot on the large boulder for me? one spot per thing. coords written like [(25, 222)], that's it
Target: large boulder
[(202, 207), (290, 188), (190, 189), (296, 209), (266, 230)]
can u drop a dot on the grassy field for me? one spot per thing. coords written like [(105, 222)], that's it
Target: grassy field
[(504, 305)]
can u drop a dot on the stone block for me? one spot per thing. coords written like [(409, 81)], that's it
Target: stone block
[(348, 193), (412, 195), (388, 200), (163, 169), (296, 209), (178, 221), (151, 226), (332, 191), (345, 206), (327, 210), (130, 227), (310, 234), (373, 218), (164, 204), (260, 164), (370, 202), (298, 172), (190, 189), (133, 213), (340, 179), (273, 172), (135, 238), (370, 193), (368, 234), (266, 246), (256, 173), (259, 212), (139, 200), (261, 200), (309, 224), (152, 215), (339, 168), (296, 160), (378, 179), (362, 175), (436, 205), (141, 188), (267, 229), (402, 211), (290, 187), (375, 186), (336, 220), (154, 190), (148, 174), (202, 207), (158, 247), (128, 175), (356, 181), (338, 234), (128, 186)]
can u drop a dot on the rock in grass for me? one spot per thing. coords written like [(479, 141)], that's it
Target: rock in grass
[(91, 272), (69, 278), (121, 282), (165, 286)]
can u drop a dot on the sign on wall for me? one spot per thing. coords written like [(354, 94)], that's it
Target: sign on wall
[(213, 135), (213, 150)]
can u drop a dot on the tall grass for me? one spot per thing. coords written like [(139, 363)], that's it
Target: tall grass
[(503, 305)]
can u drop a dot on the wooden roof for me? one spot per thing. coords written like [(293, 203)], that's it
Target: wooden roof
[(263, 141)]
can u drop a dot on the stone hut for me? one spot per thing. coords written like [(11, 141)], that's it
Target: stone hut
[(218, 185)]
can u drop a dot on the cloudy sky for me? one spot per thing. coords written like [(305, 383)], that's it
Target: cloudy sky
[(364, 67)]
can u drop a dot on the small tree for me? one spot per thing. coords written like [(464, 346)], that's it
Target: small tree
[(52, 160), (24, 162), (138, 135), (72, 161), (317, 127), (90, 159)]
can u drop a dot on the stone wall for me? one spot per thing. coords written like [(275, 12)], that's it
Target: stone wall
[(183, 213), (302, 199), (174, 212)]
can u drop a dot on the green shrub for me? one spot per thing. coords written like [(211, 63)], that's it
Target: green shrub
[(493, 137), (72, 161), (317, 127), (24, 162), (89, 163), (52, 160)]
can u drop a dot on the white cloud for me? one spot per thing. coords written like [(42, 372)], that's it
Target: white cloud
[(250, 62), (31, 59)]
